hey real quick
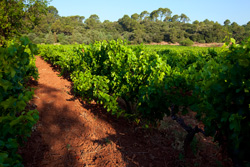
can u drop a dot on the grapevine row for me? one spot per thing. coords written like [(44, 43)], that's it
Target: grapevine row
[(213, 83), (16, 120)]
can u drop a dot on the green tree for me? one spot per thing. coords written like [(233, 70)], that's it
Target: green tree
[(184, 18), (237, 32), (38, 40), (144, 15), (76, 37), (219, 32), (196, 22), (94, 35), (32, 36), (138, 36), (109, 26), (66, 25), (92, 22), (57, 26), (175, 18), (53, 11), (16, 15), (164, 13), (135, 16), (64, 39), (247, 29), (171, 36), (49, 38), (227, 22), (154, 30), (154, 15), (128, 24)]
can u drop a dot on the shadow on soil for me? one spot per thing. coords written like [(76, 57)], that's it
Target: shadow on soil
[(56, 127), (150, 147), (139, 147)]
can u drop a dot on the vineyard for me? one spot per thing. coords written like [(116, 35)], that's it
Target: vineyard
[(136, 92), (142, 83), (153, 83)]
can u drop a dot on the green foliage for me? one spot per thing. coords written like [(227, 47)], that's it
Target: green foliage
[(16, 67), (187, 42), (63, 39), (92, 22), (149, 80), (49, 38), (38, 40), (202, 41), (110, 71), (224, 92), (157, 26), (16, 16)]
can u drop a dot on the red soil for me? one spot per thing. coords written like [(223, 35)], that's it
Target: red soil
[(71, 133)]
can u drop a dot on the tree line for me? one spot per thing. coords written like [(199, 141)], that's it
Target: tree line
[(146, 27)]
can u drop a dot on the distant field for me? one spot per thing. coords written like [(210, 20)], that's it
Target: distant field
[(160, 49), (178, 48)]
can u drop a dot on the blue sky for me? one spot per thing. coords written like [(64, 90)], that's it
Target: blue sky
[(216, 10)]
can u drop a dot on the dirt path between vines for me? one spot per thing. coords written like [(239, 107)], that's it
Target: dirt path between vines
[(71, 133)]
